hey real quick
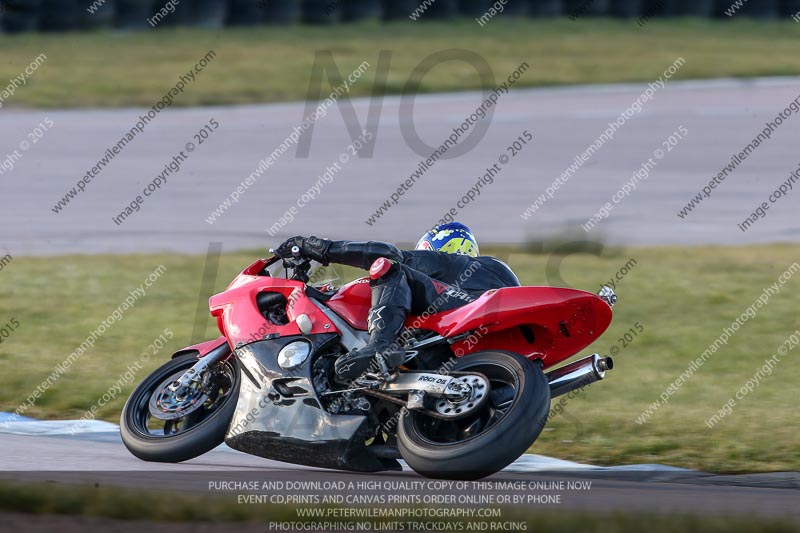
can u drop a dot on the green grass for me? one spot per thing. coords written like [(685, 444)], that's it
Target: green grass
[(683, 297), (269, 64), (128, 504), (122, 504)]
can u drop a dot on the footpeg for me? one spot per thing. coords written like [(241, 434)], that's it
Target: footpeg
[(416, 400), (383, 367)]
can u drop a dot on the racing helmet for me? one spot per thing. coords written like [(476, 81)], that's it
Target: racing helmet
[(451, 238)]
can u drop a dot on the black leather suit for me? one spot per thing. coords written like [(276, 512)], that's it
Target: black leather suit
[(460, 278), (418, 282)]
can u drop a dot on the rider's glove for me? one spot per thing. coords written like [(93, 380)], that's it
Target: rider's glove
[(311, 247)]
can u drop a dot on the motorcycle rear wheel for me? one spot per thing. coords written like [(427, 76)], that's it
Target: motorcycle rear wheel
[(187, 437), (479, 445)]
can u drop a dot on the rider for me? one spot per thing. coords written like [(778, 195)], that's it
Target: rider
[(443, 272)]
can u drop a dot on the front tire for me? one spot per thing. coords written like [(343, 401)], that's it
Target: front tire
[(187, 437), (484, 443)]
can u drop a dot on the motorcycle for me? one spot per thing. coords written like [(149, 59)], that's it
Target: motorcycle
[(471, 397)]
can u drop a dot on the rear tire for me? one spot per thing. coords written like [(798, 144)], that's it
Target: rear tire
[(200, 437), (435, 449)]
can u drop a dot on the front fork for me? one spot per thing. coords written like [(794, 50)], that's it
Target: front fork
[(195, 374)]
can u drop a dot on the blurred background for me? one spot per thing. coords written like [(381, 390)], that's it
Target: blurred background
[(75, 15)]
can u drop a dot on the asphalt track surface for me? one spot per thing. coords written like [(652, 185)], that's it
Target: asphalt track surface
[(721, 117), (98, 457)]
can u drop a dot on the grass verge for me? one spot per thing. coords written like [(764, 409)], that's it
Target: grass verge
[(272, 64)]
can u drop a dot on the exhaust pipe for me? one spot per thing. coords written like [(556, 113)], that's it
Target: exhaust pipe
[(578, 374)]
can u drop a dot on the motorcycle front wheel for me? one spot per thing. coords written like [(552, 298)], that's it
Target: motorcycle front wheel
[(158, 426), (494, 436)]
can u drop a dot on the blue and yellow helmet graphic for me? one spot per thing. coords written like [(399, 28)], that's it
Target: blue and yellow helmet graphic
[(451, 238)]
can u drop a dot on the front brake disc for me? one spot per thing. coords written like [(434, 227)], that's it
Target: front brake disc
[(165, 405)]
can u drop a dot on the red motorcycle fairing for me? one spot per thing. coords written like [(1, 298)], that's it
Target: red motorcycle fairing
[(202, 349), (240, 320), (352, 302), (547, 323)]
